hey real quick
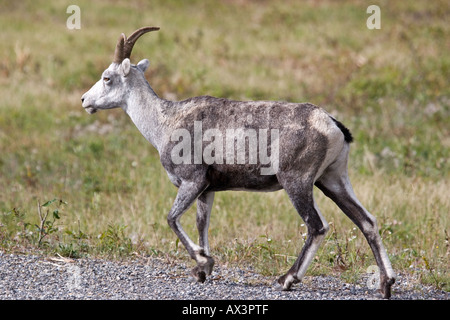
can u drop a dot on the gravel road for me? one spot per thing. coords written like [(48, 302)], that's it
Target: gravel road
[(32, 277)]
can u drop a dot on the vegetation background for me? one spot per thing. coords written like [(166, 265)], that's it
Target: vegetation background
[(80, 185)]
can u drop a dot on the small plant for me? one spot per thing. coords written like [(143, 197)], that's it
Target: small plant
[(114, 240), (47, 227), (68, 250), (435, 277), (17, 229), (13, 229)]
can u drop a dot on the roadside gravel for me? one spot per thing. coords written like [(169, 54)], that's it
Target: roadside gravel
[(32, 277)]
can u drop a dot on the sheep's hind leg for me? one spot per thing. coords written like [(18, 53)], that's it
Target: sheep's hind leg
[(301, 195), (338, 187)]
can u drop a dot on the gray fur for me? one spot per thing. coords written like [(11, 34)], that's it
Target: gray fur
[(313, 149)]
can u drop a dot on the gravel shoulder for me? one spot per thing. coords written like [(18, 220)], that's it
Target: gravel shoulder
[(30, 277)]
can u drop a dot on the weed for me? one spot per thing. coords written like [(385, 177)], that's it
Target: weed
[(437, 279), (113, 241), (47, 226), (68, 250)]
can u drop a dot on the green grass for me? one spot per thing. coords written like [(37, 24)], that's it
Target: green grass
[(390, 86)]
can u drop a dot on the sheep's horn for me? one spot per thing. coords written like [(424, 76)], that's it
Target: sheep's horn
[(125, 46)]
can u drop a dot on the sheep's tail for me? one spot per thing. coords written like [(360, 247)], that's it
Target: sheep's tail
[(347, 134)]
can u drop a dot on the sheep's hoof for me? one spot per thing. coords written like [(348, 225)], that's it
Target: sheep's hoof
[(284, 283), (198, 274), (385, 287)]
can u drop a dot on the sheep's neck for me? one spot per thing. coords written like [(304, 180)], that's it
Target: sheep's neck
[(145, 109)]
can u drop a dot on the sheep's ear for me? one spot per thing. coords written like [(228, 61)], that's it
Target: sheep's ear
[(143, 65), (125, 67)]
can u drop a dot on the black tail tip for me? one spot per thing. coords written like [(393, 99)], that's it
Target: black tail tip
[(347, 134)]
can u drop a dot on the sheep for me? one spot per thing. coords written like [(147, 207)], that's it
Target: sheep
[(202, 144)]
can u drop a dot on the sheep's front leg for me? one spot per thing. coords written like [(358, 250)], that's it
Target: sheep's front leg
[(204, 205), (187, 193)]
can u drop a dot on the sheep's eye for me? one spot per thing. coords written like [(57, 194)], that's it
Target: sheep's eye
[(106, 79)]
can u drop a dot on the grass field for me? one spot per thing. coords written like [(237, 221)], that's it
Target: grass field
[(390, 86)]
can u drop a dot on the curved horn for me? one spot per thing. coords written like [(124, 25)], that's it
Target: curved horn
[(124, 46), (118, 54)]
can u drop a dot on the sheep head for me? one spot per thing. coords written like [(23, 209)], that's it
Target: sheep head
[(112, 90)]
